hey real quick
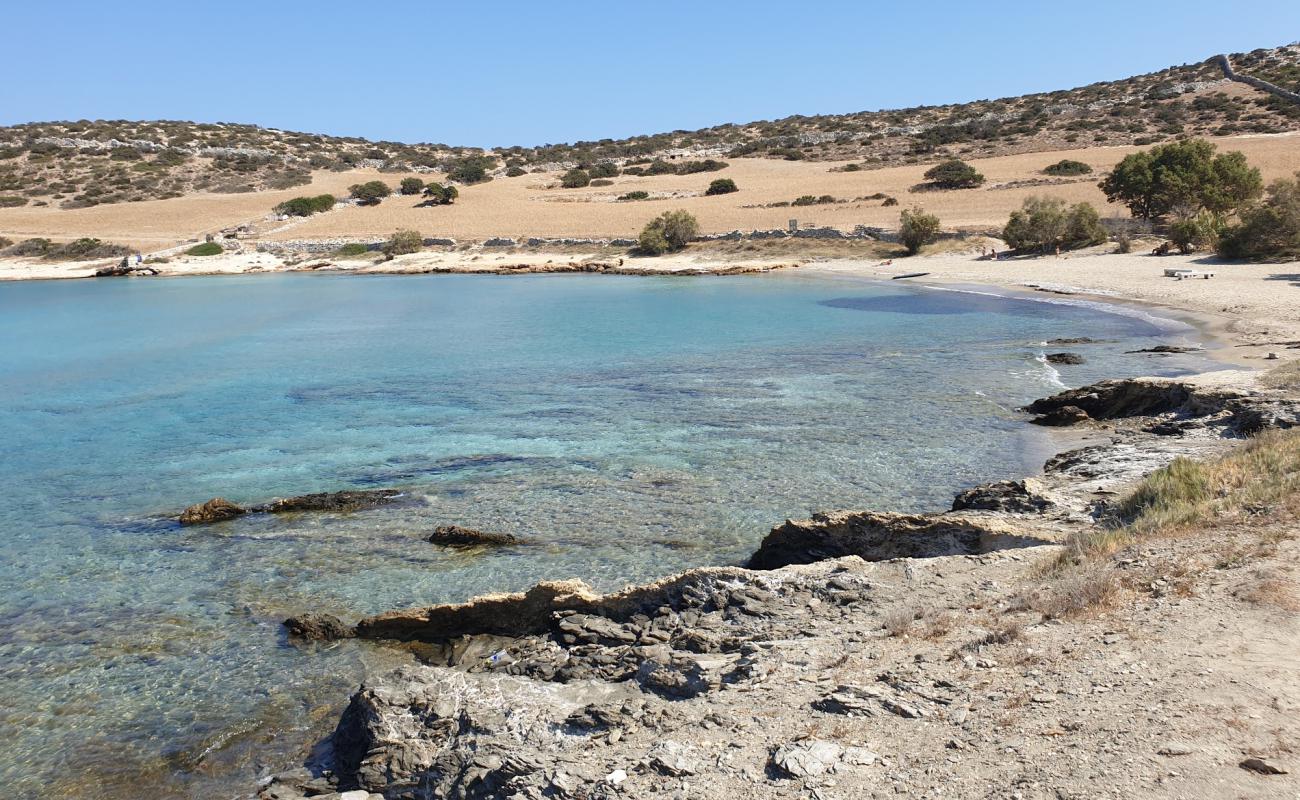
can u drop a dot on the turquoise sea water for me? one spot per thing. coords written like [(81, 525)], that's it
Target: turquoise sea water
[(627, 427)]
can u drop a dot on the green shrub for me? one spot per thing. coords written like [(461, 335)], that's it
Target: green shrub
[(575, 179), (439, 195), (515, 172), (351, 250), (637, 195), (916, 229), (1267, 230), (31, 247), (205, 249), (659, 167), (306, 206), (471, 169), (410, 186), (668, 232), (1044, 224), (604, 169), (721, 186), (889, 201), (402, 243), (11, 201), (788, 153), (953, 174), (370, 192), (1200, 230), (602, 182), (5, 242), (707, 165), (1067, 167), (1185, 174)]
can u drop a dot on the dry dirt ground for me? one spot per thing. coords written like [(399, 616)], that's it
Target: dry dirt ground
[(533, 205)]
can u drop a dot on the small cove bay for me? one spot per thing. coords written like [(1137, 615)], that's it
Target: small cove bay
[(626, 427)]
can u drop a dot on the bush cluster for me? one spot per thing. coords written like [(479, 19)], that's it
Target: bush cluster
[(1267, 230), (637, 195), (12, 201), (471, 169), (668, 232), (306, 206), (1045, 223), (813, 200), (411, 186)]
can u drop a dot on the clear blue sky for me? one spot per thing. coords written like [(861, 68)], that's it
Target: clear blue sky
[(500, 73)]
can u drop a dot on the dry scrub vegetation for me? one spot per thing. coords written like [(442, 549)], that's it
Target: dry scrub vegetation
[(1232, 511)]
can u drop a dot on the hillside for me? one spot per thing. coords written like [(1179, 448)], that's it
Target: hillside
[(80, 164)]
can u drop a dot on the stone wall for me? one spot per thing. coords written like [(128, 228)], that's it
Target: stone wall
[(1249, 80)]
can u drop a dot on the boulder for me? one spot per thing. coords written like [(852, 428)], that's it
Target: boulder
[(456, 536), (1064, 358), (218, 509), (318, 627), (806, 758), (1017, 497)]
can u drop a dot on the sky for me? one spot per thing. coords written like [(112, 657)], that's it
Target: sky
[(502, 73)]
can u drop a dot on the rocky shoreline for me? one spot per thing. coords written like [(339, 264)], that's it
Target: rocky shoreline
[(782, 679)]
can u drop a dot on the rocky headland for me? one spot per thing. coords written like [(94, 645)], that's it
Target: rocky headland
[(873, 654)]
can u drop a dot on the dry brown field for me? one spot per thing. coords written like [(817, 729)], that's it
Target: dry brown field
[(534, 205)]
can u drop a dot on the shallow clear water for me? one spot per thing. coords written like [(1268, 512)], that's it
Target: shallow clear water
[(628, 427)]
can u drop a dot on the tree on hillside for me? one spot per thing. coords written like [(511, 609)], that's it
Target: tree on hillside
[(1185, 174), (1268, 230), (411, 186), (370, 192), (471, 169), (917, 228), (439, 195), (1045, 223), (668, 232), (953, 174)]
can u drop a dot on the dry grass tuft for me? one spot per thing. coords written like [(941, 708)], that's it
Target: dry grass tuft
[(1077, 592), (1286, 376), (1270, 588), (898, 620)]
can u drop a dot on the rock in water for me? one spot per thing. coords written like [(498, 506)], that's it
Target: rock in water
[(456, 536), (318, 627), (878, 536), (1062, 417), (352, 500), (1064, 358), (217, 509)]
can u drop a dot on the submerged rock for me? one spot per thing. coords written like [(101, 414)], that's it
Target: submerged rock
[(1072, 340), (878, 536), (1167, 349), (348, 500), (456, 536), (318, 627), (218, 509)]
